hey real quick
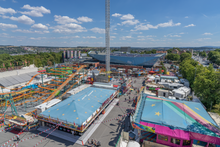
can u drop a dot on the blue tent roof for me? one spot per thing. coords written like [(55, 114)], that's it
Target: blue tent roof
[(79, 107), (184, 115)]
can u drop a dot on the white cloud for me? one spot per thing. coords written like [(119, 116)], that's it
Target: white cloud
[(143, 26), (23, 19), (130, 22), (7, 26), (22, 31), (170, 35), (205, 15), (69, 37), (30, 31), (39, 26), (7, 10), (148, 37), (84, 19), (116, 15), (5, 34), (175, 36), (48, 24), (202, 39), (68, 28), (125, 37), (186, 17), (3, 16), (207, 34), (90, 37), (141, 39), (190, 25), (168, 24), (182, 33), (64, 19), (38, 9), (112, 37), (39, 38), (151, 36), (98, 30), (35, 11), (127, 16), (14, 1)]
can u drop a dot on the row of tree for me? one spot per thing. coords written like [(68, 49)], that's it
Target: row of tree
[(202, 54), (145, 52), (214, 56), (204, 81), (40, 59)]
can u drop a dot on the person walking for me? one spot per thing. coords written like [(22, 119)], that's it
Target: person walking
[(18, 138), (92, 142), (98, 144)]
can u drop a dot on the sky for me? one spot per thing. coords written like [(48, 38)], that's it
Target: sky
[(135, 23)]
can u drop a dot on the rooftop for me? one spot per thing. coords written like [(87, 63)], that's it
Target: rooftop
[(189, 116), (16, 79), (79, 107)]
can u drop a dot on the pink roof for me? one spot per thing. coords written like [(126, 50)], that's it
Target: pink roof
[(163, 130)]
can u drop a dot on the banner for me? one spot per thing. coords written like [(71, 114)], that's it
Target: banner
[(64, 54), (142, 127), (71, 54)]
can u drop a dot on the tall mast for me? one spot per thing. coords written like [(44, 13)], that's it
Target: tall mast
[(107, 34)]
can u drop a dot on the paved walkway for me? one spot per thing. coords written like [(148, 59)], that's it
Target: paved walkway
[(93, 127), (60, 134)]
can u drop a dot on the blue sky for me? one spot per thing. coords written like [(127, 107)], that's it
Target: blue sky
[(136, 23)]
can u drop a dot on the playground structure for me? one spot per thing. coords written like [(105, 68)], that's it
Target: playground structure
[(23, 99)]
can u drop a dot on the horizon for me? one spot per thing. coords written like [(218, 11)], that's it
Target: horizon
[(139, 23)]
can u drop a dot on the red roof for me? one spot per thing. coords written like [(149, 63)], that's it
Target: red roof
[(42, 71)]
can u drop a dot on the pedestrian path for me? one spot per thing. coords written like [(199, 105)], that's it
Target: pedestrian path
[(83, 139), (60, 134)]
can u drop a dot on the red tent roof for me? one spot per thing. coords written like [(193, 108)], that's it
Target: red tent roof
[(42, 71)]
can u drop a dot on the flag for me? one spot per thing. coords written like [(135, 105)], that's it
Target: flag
[(10, 63), (3, 64)]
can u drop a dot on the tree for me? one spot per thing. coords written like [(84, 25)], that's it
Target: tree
[(160, 71), (184, 56), (176, 48), (203, 54), (217, 106), (207, 86), (165, 69), (173, 57)]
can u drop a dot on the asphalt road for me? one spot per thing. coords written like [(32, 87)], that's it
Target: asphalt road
[(107, 133)]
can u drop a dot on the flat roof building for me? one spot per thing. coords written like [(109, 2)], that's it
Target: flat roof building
[(78, 110)]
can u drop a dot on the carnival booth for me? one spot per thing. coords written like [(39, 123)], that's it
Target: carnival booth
[(78, 111), (174, 123)]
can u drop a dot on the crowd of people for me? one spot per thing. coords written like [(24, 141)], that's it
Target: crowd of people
[(94, 143)]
